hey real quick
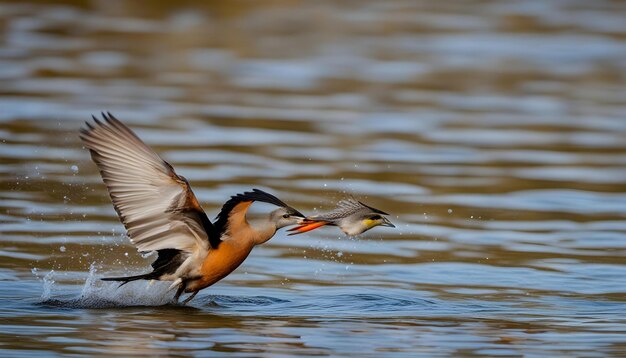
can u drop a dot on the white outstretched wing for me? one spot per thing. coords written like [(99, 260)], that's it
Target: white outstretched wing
[(156, 205)]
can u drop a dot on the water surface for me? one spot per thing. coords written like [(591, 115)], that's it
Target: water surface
[(493, 131)]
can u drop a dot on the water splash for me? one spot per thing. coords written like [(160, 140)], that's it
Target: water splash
[(48, 283), (90, 281), (99, 294)]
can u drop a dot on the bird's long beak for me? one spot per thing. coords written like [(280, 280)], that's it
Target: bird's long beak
[(387, 223), (305, 226)]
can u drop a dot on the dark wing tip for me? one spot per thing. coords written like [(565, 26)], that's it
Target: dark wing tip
[(105, 116), (258, 195), (109, 122), (377, 211), (90, 126), (85, 131), (262, 196), (110, 118)]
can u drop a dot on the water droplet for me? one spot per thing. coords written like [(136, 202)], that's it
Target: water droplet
[(449, 211), (126, 254), (48, 282), (62, 249), (339, 254)]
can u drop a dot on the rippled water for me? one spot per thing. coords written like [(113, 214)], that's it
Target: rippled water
[(493, 131)]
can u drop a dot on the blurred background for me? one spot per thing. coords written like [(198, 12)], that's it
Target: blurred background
[(494, 132)]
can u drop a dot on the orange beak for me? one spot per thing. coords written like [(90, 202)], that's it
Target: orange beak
[(306, 226)]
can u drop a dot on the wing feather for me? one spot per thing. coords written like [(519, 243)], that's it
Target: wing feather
[(345, 208), (156, 205)]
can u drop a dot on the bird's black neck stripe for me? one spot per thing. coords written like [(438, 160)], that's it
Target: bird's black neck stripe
[(221, 220)]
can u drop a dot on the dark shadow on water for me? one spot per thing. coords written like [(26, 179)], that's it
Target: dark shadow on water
[(327, 305), (102, 303), (235, 301), (372, 298), (368, 304), (212, 301)]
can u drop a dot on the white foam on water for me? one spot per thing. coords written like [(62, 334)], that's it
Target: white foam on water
[(89, 282), (99, 294), (137, 293), (48, 283)]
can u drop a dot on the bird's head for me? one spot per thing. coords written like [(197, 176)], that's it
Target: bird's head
[(285, 216), (357, 225), (371, 220), (364, 218)]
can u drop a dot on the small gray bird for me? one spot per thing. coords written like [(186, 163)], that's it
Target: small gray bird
[(351, 216)]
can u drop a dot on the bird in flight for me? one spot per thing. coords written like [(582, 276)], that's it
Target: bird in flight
[(161, 213), (351, 216)]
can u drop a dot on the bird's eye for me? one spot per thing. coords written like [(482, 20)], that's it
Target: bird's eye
[(286, 216), (375, 217)]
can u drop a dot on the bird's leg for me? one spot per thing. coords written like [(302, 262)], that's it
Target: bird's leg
[(179, 292), (190, 297)]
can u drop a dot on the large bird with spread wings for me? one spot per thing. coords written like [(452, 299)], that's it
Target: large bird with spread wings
[(161, 212)]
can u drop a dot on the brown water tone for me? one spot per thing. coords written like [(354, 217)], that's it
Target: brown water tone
[(494, 132)]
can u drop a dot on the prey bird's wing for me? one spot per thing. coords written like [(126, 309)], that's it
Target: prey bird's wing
[(345, 208), (156, 205)]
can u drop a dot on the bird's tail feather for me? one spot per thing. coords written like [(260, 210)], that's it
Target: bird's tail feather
[(168, 261), (125, 280)]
